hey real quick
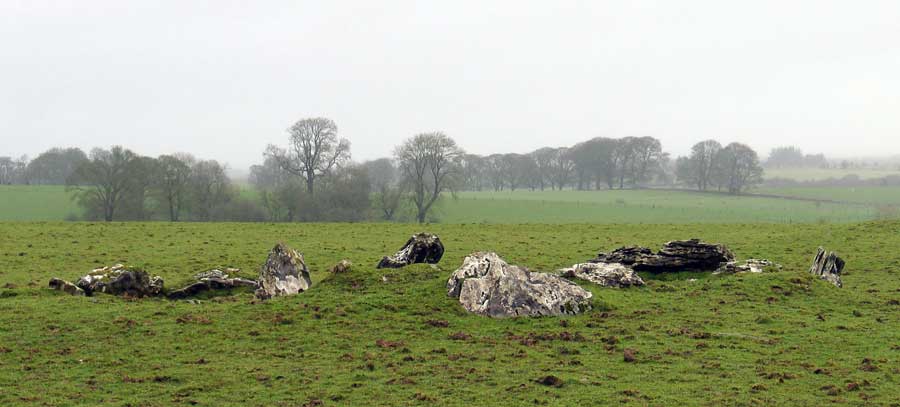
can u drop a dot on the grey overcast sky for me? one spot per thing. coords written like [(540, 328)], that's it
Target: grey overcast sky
[(223, 79)]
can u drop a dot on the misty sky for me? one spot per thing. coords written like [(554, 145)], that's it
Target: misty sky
[(224, 79)]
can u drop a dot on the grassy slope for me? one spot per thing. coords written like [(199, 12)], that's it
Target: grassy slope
[(871, 195), (642, 206), (717, 341)]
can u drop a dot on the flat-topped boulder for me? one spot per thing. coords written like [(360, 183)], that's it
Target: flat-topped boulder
[(615, 275), (284, 273), (679, 255), (487, 285), (420, 248), (828, 266)]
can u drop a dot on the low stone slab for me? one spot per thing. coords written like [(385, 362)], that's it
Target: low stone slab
[(678, 255), (604, 274), (66, 287)]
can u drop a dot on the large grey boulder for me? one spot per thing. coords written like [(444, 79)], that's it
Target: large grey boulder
[(121, 280), (475, 265), (420, 248), (284, 273), (487, 285), (828, 266), (679, 255), (604, 274)]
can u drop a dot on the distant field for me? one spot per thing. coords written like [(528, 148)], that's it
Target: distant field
[(36, 202), (641, 206), (816, 174), (869, 195), (630, 206)]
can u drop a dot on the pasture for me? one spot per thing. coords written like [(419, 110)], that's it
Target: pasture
[(639, 206), (53, 203), (818, 174), (377, 337)]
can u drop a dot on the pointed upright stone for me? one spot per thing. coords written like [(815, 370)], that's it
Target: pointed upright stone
[(284, 273)]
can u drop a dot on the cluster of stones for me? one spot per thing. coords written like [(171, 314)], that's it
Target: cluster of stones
[(114, 280), (284, 273), (484, 284)]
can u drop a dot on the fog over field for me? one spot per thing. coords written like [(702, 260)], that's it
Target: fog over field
[(224, 79)]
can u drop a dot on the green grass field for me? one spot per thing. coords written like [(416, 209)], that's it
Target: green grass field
[(629, 206), (36, 202), (869, 195), (773, 339), (638, 206)]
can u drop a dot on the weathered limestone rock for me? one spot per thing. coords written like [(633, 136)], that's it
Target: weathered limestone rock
[(828, 266), (343, 266), (489, 286), (420, 248), (625, 255), (748, 266), (65, 287), (604, 274), (679, 255), (211, 280), (119, 280), (284, 273), (475, 265)]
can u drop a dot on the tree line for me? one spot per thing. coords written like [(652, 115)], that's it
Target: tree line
[(313, 178)]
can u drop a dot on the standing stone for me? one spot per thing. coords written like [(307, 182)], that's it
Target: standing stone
[(420, 248), (487, 285), (828, 266), (604, 274), (284, 273)]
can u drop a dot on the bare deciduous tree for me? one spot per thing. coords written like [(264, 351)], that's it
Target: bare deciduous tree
[(210, 189), (314, 150), (173, 176), (386, 185), (698, 168), (429, 163), (104, 179), (740, 166)]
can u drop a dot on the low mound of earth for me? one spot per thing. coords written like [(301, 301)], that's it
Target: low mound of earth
[(372, 336)]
